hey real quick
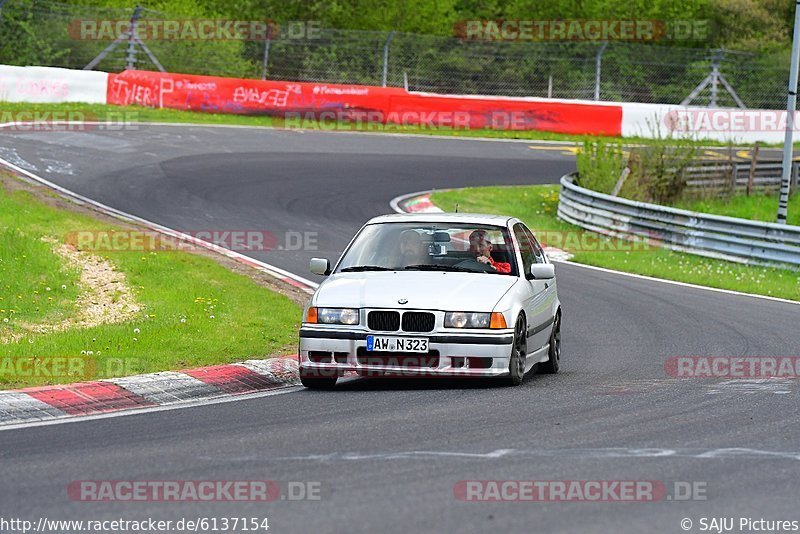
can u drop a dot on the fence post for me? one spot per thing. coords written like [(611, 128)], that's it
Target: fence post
[(751, 177), (132, 37), (266, 52), (386, 58), (597, 64)]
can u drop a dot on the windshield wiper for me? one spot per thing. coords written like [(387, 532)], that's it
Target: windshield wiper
[(360, 268), (428, 267)]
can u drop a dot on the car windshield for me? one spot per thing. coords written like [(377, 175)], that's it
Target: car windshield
[(455, 247)]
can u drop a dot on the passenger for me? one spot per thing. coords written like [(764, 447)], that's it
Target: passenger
[(412, 250), (480, 245)]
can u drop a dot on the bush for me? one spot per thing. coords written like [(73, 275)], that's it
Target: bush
[(600, 165), (658, 169)]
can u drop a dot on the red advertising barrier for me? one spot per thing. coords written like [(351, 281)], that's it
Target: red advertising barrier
[(514, 114), (231, 95), (359, 102)]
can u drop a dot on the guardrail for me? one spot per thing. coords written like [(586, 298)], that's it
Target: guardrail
[(714, 236), (736, 175)]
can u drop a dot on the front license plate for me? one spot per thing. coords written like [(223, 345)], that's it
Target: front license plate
[(397, 344)]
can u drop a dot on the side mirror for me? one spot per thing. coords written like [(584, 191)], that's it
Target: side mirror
[(320, 266), (543, 271)]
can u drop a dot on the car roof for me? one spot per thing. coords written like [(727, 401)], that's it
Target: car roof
[(473, 218)]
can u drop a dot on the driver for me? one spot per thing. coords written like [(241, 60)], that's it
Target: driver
[(412, 251), (480, 245)]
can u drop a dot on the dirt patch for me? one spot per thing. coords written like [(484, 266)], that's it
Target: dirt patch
[(12, 182), (106, 297)]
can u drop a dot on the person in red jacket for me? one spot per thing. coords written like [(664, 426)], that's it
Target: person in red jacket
[(480, 245)]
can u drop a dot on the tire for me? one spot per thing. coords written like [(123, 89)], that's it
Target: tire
[(316, 380), (552, 365), (516, 363)]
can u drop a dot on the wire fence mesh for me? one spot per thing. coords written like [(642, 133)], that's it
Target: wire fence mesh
[(43, 32)]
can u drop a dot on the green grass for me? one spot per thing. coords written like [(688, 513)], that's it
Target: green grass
[(34, 283), (195, 311), (116, 114), (759, 207), (537, 205)]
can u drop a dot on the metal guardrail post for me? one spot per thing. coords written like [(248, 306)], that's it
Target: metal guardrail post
[(386, 58)]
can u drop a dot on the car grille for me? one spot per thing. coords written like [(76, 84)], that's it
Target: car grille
[(418, 321), (398, 359), (384, 320)]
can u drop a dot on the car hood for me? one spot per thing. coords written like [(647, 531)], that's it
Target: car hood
[(423, 290)]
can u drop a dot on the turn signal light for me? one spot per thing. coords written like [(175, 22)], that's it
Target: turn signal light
[(498, 321), (311, 315)]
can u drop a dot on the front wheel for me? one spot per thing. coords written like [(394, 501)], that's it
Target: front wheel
[(519, 350), (317, 380), (552, 365)]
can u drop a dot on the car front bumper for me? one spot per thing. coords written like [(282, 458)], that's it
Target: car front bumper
[(468, 354)]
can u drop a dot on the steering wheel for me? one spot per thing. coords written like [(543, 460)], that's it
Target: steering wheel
[(475, 265)]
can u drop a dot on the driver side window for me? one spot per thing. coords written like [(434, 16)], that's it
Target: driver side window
[(525, 248), (537, 248)]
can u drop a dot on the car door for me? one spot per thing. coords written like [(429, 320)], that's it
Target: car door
[(550, 285), (536, 299)]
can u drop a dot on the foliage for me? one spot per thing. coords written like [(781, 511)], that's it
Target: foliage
[(600, 164), (350, 49)]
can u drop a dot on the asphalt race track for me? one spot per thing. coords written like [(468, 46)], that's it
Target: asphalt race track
[(388, 454)]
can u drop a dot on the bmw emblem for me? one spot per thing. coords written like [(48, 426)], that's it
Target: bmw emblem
[(402, 301)]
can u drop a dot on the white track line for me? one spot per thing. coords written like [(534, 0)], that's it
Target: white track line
[(675, 283), (272, 270)]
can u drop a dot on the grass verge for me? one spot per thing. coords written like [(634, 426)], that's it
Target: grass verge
[(9, 111), (537, 205), (758, 207), (194, 311)]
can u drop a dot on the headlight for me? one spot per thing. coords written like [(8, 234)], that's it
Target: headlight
[(467, 320), (337, 316)]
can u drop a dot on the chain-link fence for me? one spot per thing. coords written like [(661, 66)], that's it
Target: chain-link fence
[(42, 32)]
